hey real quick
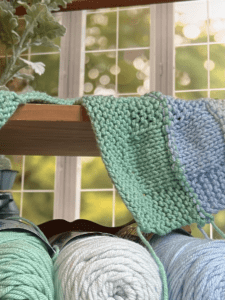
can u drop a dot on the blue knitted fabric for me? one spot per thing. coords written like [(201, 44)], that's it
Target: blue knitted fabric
[(197, 132)]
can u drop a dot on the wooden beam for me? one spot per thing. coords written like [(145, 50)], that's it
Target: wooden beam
[(47, 129), (96, 4)]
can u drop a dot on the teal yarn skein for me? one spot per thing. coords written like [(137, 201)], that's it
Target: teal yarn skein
[(26, 268), (195, 267)]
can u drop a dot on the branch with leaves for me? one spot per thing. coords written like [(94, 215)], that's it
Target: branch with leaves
[(40, 29)]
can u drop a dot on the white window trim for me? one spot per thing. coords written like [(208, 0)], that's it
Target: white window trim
[(162, 54), (68, 168), (71, 81)]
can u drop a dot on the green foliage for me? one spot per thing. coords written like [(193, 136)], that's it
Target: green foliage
[(8, 25), (42, 26), (40, 29), (5, 163)]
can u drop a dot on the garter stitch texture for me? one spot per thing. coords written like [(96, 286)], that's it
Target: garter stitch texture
[(154, 147)]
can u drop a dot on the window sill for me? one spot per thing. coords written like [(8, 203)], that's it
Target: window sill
[(47, 129)]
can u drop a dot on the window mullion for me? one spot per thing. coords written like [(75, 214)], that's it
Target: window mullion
[(163, 53), (68, 168)]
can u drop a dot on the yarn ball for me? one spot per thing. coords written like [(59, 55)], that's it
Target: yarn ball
[(195, 267), (26, 269), (109, 268)]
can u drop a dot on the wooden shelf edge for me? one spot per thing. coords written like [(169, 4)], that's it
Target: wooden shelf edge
[(50, 113), (47, 129)]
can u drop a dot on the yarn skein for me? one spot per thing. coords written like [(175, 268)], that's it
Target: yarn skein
[(194, 267), (111, 268), (26, 268)]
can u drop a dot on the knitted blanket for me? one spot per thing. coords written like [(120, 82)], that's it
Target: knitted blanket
[(164, 155)]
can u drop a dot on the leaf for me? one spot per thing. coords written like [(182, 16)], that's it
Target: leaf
[(3, 88), (41, 23), (33, 15), (38, 67), (22, 3), (7, 6), (44, 42), (8, 24), (23, 76)]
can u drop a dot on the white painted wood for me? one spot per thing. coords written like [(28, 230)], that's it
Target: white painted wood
[(163, 53), (68, 169)]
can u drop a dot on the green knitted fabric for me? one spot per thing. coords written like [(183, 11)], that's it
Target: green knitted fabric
[(9, 102), (133, 142)]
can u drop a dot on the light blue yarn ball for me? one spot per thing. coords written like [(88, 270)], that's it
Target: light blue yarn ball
[(100, 268), (195, 267)]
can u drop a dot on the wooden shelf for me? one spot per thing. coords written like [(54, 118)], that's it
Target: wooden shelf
[(47, 129), (96, 4)]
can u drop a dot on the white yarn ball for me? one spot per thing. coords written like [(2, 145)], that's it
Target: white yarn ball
[(106, 268)]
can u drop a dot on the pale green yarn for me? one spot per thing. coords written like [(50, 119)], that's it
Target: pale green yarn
[(26, 268)]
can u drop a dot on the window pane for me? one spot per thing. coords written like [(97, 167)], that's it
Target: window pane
[(39, 173), (190, 22), (122, 214), (100, 71), (220, 222), (191, 68), (94, 174), (134, 76), (38, 207), (191, 95), (217, 94), (197, 233), (217, 66), (217, 21), (16, 163), (97, 207), (101, 31), (134, 28), (17, 198)]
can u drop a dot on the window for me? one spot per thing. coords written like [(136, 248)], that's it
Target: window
[(176, 49)]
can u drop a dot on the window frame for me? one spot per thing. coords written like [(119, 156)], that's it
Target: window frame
[(68, 168)]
